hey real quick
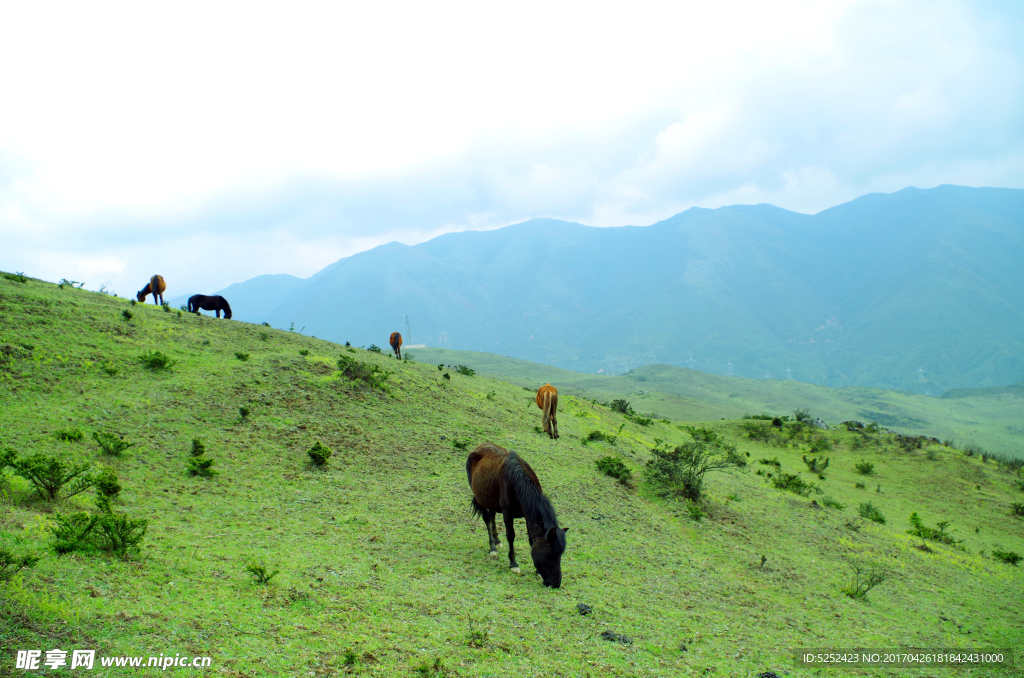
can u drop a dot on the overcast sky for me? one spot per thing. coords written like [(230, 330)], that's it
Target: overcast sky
[(213, 142)]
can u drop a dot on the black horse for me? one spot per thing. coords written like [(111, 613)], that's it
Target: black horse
[(217, 303), (504, 483)]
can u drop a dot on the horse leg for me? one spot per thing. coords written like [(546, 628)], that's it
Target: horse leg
[(554, 426), (492, 533), (510, 534)]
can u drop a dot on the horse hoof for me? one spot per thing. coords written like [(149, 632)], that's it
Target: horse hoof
[(493, 554), (516, 570)]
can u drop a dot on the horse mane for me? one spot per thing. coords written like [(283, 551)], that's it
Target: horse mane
[(536, 506)]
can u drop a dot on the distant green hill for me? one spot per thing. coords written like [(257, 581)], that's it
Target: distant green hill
[(380, 569), (920, 290)]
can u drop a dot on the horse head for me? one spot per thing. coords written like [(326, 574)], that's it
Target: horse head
[(547, 550), (141, 294)]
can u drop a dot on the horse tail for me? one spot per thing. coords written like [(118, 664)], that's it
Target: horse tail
[(471, 462), (478, 510)]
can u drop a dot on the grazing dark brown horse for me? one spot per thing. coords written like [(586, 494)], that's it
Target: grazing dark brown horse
[(547, 401), (215, 303), (396, 344), (156, 287), (504, 483)]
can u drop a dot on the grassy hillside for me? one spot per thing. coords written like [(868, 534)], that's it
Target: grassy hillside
[(382, 565), (989, 418)]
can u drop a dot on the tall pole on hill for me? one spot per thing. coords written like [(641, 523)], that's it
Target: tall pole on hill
[(408, 332)]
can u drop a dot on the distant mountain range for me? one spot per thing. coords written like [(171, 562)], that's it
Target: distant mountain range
[(920, 290)]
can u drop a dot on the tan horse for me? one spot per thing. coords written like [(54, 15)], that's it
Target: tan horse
[(156, 287), (396, 344), (547, 401)]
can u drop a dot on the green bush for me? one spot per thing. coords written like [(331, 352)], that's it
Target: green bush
[(264, 336), (117, 533), (814, 465), (803, 416), (694, 511), (374, 348), (791, 482), (919, 529), (465, 371), (260, 573), (863, 578), (52, 478), (111, 443), (833, 503), (166, 307), (241, 356), (72, 532), (156, 361), (372, 375), (599, 436), (865, 468), (460, 443), (70, 435), (621, 406), (11, 564), (1017, 509), (615, 468), (198, 449), (126, 314), (110, 368), (680, 472), (244, 411), (639, 419), (16, 277), (319, 453), (866, 510), (1008, 557), (304, 352), (774, 461), (107, 483), (200, 466)]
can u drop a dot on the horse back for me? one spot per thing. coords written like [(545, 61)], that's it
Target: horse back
[(396, 340), (485, 468), (547, 397), (157, 284)]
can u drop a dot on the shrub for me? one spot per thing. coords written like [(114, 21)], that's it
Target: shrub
[(820, 445), (615, 468), (110, 368), (127, 315), (803, 416), (759, 417), (621, 406), (304, 352), (447, 377), (371, 375), (374, 348), (166, 307), (11, 564), (107, 483), (72, 532), (833, 503), (866, 510), (774, 461), (264, 336), (440, 368), (791, 482), (16, 277), (241, 356), (52, 478), (757, 431), (860, 486), (117, 533), (640, 420), (865, 468), (1017, 509), (694, 511), (681, 471), (200, 466), (198, 449), (465, 371), (777, 421), (111, 443), (919, 529), (319, 453), (260, 573), (70, 435), (155, 360), (599, 436), (1008, 557), (815, 466), (244, 411), (863, 578), (460, 444)]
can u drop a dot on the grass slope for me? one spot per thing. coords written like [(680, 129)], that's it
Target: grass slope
[(988, 417), (382, 565)]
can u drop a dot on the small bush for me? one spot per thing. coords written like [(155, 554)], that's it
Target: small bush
[(111, 443), (1017, 509), (117, 533), (319, 453), (865, 468), (777, 422), (198, 449), (681, 471), (491, 395), (304, 352), (599, 436), (371, 375), (51, 477), (1008, 557), (16, 277), (863, 578), (11, 564), (241, 356), (107, 483), (791, 482), (615, 468), (465, 371), (919, 529), (374, 348), (110, 368), (931, 455), (166, 307), (264, 336), (155, 360), (260, 573), (815, 466), (244, 411), (803, 416), (774, 461), (759, 417), (640, 420), (127, 315), (460, 444), (426, 670), (860, 486), (833, 503), (621, 406), (694, 511), (72, 532), (70, 435), (866, 510), (440, 368), (200, 466), (447, 377)]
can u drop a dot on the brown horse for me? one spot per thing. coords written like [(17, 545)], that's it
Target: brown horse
[(156, 287), (396, 344), (547, 401), (504, 483)]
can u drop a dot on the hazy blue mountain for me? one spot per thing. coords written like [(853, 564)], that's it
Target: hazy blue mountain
[(921, 290)]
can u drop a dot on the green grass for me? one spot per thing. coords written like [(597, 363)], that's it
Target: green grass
[(381, 566)]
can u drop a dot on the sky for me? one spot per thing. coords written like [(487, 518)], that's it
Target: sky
[(213, 142)]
